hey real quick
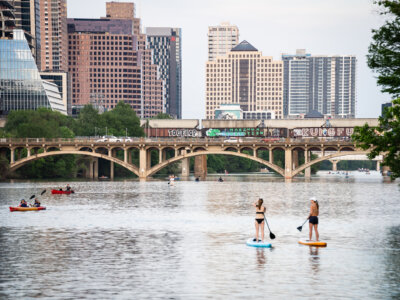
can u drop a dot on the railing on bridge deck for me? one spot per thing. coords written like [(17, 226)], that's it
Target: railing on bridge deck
[(217, 140)]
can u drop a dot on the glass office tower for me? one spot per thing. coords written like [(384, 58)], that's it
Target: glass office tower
[(21, 87)]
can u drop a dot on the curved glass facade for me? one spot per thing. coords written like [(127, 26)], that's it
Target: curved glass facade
[(21, 87)]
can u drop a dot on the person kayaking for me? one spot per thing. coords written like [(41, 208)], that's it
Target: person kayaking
[(37, 203), (259, 221), (220, 179), (23, 203), (68, 188), (313, 217)]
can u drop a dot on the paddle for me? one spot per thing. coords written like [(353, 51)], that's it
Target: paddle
[(301, 227), (271, 235), (33, 196)]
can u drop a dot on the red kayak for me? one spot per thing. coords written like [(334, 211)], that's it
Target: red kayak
[(27, 208), (61, 192)]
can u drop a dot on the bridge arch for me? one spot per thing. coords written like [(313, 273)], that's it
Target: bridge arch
[(158, 167), (327, 157), (24, 161)]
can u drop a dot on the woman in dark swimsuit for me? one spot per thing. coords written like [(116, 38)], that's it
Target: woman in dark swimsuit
[(313, 217), (259, 222)]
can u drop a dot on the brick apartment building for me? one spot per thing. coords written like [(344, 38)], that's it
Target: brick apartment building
[(109, 62)]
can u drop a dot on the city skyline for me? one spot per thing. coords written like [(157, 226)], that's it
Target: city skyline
[(340, 28)]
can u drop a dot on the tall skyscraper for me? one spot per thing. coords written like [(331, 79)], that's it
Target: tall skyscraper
[(221, 39), (166, 44), (322, 83), (21, 87), (109, 63), (243, 76), (54, 35), (22, 14)]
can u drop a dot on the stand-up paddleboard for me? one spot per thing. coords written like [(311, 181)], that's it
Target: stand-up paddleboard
[(258, 244), (313, 243)]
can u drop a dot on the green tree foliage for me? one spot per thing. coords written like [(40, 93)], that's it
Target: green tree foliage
[(384, 139), (89, 122), (384, 52), (123, 120), (162, 116), (40, 123), (44, 123)]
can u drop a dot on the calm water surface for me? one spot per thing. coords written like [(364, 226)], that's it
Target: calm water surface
[(135, 240)]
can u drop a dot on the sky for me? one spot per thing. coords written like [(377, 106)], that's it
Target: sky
[(322, 27)]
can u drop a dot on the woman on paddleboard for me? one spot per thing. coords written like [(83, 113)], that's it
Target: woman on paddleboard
[(313, 217), (259, 222)]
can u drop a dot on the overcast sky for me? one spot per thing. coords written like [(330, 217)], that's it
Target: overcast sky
[(273, 26)]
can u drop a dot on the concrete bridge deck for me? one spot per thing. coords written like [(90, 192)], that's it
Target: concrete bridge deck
[(23, 151)]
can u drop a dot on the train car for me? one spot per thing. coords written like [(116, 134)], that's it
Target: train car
[(318, 132)]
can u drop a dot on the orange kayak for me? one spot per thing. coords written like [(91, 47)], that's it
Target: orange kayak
[(27, 208)]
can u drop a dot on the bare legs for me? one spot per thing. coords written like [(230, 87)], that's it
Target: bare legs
[(258, 228), (316, 232), (315, 229)]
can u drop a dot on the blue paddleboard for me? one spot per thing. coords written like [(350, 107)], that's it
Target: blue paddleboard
[(258, 244)]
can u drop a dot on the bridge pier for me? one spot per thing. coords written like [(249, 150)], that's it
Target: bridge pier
[(142, 163), (96, 168), (334, 165), (288, 163), (200, 166), (307, 158), (295, 158), (185, 167), (12, 158), (111, 170)]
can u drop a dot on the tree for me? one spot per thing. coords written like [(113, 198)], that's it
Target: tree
[(384, 51), (122, 120), (383, 139), (89, 122), (162, 116), (384, 58)]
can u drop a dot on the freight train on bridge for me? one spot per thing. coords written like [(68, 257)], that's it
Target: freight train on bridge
[(267, 129)]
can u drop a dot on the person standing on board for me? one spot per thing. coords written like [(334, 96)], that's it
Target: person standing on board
[(259, 222), (313, 217)]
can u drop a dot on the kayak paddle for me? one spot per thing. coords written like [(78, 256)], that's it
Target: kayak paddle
[(271, 235), (44, 191), (301, 227)]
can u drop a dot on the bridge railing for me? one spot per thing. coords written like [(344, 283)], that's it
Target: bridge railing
[(216, 140)]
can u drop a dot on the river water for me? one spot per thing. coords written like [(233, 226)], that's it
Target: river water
[(135, 240)]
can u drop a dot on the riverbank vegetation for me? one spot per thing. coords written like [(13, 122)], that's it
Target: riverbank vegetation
[(384, 58)]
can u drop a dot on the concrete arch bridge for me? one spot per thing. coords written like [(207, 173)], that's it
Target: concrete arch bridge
[(20, 152)]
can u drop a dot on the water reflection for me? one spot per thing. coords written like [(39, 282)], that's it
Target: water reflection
[(314, 259), (135, 240)]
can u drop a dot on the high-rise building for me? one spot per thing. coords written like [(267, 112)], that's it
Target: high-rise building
[(21, 87), (243, 76), (63, 82), (123, 10), (7, 19), (22, 14), (221, 39), (166, 44), (322, 83), (54, 35), (109, 63)]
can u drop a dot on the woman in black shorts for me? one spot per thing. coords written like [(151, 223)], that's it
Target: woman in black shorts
[(259, 222), (313, 217)]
